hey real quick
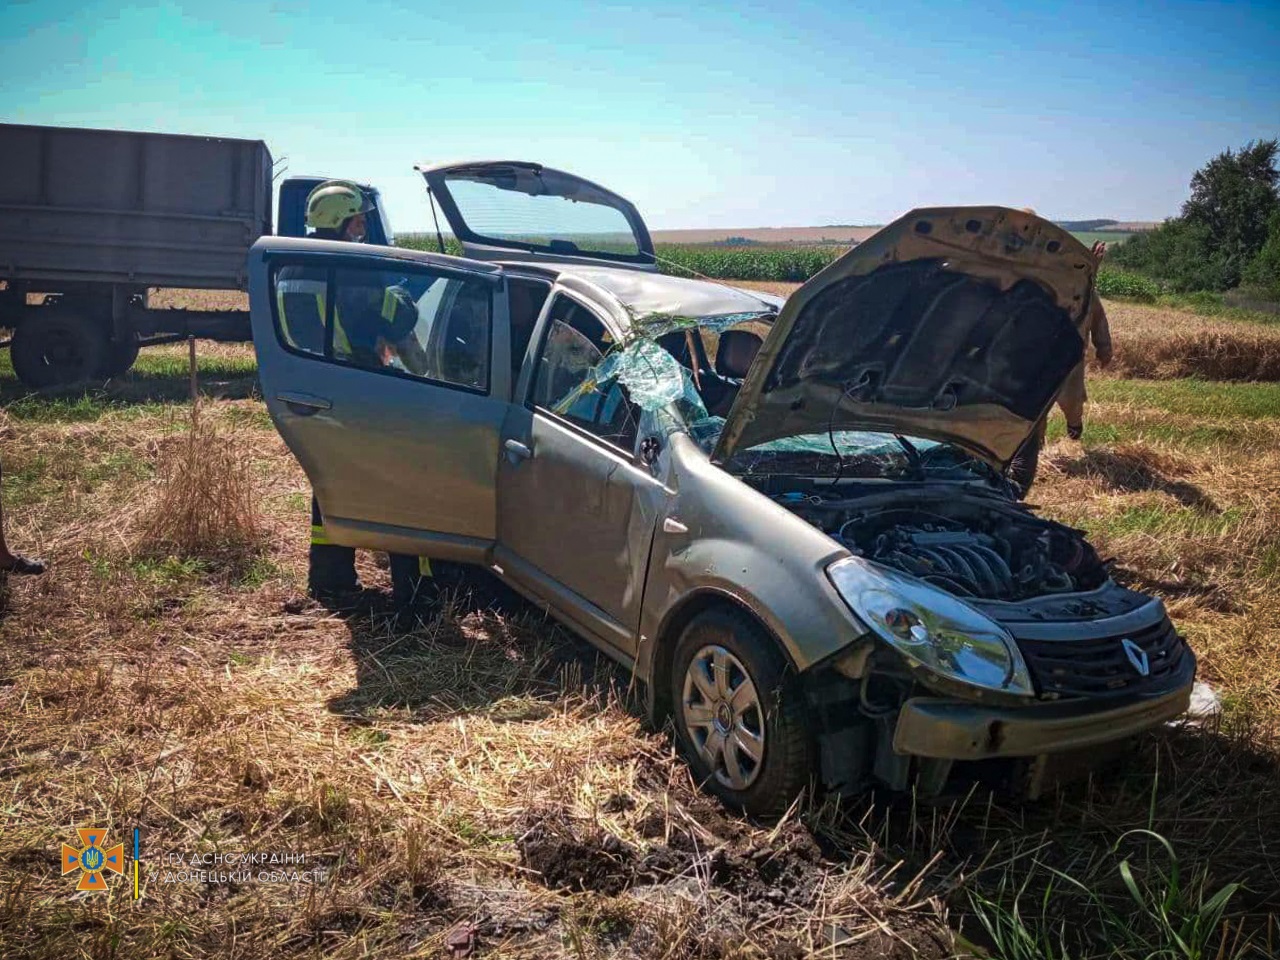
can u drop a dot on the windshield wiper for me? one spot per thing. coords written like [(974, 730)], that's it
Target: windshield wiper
[(913, 455)]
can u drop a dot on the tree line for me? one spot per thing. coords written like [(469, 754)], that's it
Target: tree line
[(1228, 233)]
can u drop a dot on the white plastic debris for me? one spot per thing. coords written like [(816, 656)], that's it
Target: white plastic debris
[(1205, 705)]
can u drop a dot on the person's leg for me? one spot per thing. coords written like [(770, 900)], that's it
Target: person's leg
[(413, 583), (13, 562), (1022, 471), (332, 568), (1071, 402)]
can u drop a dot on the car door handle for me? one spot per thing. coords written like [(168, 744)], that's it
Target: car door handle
[(304, 404), (517, 451)]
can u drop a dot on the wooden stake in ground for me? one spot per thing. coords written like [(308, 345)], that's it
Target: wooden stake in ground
[(191, 366)]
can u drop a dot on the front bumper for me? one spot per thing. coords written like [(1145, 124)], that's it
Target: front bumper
[(956, 730)]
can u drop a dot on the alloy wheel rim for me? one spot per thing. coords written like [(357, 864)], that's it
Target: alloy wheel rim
[(722, 713)]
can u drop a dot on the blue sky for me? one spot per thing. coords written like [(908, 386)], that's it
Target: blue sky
[(705, 115)]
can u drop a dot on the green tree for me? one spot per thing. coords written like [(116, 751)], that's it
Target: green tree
[(1223, 226), (1263, 271), (1233, 197)]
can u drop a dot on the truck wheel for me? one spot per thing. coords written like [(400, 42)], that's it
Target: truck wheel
[(54, 346), (121, 355), (740, 719)]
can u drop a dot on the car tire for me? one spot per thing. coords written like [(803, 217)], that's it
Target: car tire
[(754, 705), (58, 345)]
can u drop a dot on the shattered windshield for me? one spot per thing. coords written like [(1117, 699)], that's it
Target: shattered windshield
[(683, 373), (849, 453), (668, 368)]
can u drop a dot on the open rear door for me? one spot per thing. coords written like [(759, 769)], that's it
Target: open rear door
[(514, 210), (387, 373)]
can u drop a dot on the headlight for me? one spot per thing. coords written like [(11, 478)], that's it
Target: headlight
[(932, 628)]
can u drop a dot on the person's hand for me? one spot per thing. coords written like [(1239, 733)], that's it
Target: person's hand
[(386, 351), (1099, 250), (1104, 357)]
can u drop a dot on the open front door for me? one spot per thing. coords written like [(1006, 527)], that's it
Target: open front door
[(387, 373)]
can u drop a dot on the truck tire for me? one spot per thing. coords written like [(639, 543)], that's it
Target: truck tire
[(56, 345), (121, 355)]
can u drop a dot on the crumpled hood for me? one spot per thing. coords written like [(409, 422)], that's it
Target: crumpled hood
[(957, 324)]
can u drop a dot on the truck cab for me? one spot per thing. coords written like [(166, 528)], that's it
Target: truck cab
[(291, 211)]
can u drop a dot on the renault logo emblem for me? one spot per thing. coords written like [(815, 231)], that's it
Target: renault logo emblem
[(1137, 656)]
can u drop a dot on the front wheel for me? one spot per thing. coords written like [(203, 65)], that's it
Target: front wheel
[(739, 717)]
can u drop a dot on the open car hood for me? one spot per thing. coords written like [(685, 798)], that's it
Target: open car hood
[(957, 324)]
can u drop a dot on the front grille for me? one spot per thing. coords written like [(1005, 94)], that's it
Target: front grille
[(1101, 667)]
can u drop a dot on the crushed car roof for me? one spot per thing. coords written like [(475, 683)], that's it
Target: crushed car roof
[(655, 294)]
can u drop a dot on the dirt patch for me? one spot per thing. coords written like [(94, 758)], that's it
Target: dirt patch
[(579, 860), (161, 298), (715, 880)]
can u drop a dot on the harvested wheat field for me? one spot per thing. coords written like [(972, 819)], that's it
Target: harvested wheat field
[(482, 785), (1159, 342)]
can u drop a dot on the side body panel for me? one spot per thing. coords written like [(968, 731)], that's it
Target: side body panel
[(740, 544), (576, 516)]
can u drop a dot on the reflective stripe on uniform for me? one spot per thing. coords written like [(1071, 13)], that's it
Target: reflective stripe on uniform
[(318, 539), (390, 304), (313, 289), (424, 567)]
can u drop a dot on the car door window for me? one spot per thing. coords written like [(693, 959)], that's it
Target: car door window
[(421, 324), (300, 307), (566, 381)]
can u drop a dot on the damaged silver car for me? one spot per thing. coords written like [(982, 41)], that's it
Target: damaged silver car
[(791, 521)]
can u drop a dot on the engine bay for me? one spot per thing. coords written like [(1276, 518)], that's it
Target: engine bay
[(972, 546)]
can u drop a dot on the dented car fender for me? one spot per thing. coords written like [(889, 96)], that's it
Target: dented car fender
[(722, 539)]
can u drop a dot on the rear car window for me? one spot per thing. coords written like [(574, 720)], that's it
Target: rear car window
[(528, 210), (420, 324)]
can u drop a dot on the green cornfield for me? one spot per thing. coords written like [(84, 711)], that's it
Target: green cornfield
[(756, 262), (793, 263)]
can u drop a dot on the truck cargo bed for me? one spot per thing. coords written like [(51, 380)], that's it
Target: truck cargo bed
[(145, 209)]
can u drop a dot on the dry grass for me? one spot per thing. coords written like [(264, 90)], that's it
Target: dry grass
[(204, 505), (485, 769), (489, 770), (163, 298), (1157, 342)]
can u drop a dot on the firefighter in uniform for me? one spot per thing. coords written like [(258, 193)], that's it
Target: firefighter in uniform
[(367, 332)]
